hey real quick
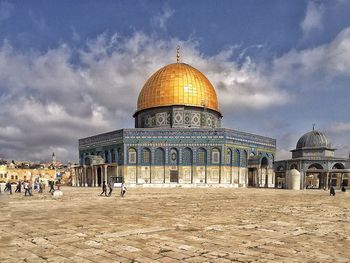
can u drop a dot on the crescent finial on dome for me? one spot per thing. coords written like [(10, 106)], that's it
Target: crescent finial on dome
[(178, 54)]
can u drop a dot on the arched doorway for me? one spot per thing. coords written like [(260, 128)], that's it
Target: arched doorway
[(315, 177), (336, 178), (280, 180)]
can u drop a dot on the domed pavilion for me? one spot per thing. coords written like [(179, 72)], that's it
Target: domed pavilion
[(177, 140), (314, 159)]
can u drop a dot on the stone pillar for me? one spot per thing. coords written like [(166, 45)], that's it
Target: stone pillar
[(93, 174), (105, 173), (84, 177), (96, 176), (80, 176), (302, 179), (74, 176), (259, 179)]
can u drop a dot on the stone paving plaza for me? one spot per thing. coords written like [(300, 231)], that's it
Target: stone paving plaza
[(176, 225)]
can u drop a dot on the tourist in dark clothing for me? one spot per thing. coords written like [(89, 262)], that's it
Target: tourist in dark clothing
[(104, 188), (332, 191), (19, 187), (52, 185), (30, 187), (8, 187), (343, 189), (110, 186)]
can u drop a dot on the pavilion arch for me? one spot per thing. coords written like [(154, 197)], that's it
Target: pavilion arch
[(293, 166), (338, 166), (264, 163), (315, 166), (87, 160)]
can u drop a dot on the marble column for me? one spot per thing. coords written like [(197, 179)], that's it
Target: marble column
[(105, 172), (83, 176)]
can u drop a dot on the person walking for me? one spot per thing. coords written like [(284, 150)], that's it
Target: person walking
[(19, 186), (332, 191), (122, 190), (26, 188), (52, 185), (110, 186), (104, 188), (8, 187), (30, 187), (40, 187)]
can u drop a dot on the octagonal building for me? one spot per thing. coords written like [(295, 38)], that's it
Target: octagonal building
[(177, 140)]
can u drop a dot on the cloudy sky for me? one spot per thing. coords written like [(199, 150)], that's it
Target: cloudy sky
[(71, 69)]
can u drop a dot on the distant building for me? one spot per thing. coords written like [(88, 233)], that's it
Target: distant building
[(313, 165), (15, 174)]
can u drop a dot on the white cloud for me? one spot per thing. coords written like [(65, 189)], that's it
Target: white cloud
[(339, 128), (318, 67), (49, 102), (161, 19), (313, 17)]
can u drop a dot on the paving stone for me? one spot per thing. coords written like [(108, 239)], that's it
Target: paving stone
[(176, 225)]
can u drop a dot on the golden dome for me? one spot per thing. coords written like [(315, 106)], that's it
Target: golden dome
[(177, 84)]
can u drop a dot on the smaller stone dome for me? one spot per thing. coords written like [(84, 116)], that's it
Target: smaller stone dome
[(313, 139)]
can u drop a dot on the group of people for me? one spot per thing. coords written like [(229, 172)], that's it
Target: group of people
[(110, 186), (29, 186)]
